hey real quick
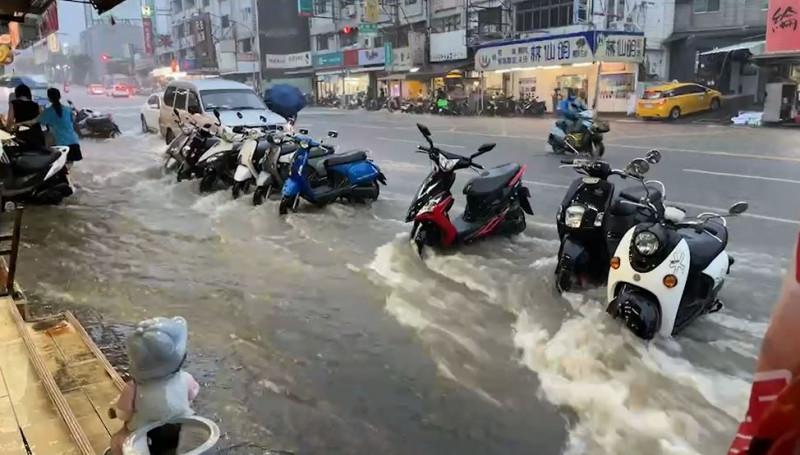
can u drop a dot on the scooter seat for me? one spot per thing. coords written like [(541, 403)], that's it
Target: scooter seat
[(317, 152), (491, 180), (32, 162), (637, 193), (289, 148), (704, 246), (345, 158)]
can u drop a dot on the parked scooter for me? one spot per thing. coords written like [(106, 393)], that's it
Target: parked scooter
[(37, 176), (592, 220), (496, 200), (668, 271), (88, 123), (217, 165), (347, 175), (184, 151), (530, 106), (276, 165), (588, 141)]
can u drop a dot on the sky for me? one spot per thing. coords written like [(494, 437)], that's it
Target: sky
[(72, 21)]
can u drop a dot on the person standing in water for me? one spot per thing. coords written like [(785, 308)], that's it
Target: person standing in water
[(59, 119)]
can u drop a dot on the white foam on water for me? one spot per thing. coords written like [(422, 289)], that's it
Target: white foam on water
[(753, 328), (629, 397)]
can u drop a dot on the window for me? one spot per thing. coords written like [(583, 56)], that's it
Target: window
[(226, 21), (169, 96), (245, 45), (193, 102), (226, 100), (490, 20), (411, 2), (322, 42), (706, 6), (541, 14), (180, 99), (320, 6), (446, 24), (206, 2)]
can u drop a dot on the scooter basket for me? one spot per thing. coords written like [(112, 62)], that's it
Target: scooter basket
[(602, 126)]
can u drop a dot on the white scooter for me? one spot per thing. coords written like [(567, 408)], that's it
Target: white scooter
[(38, 176), (218, 164), (668, 272)]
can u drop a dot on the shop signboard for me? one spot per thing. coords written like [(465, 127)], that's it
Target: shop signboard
[(372, 11), (147, 29), (448, 46), (329, 59), (351, 57), (375, 56), (305, 8), (783, 26), (401, 59), (536, 52), (387, 52), (297, 60), (620, 47)]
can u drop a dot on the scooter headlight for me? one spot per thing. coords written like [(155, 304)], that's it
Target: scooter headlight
[(447, 164), (187, 130), (574, 216), (646, 243)]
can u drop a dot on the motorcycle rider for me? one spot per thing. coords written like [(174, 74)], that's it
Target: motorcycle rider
[(570, 107)]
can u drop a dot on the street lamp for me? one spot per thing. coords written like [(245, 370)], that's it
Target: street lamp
[(257, 71)]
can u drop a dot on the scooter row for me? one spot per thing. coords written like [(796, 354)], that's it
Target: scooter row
[(271, 160), (662, 269), (30, 174)]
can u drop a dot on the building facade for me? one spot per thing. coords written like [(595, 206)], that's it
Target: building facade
[(713, 42), (120, 43), (214, 37), (285, 42)]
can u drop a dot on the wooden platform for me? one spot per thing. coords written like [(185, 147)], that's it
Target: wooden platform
[(55, 387)]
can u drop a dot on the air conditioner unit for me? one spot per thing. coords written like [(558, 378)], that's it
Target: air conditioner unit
[(350, 11)]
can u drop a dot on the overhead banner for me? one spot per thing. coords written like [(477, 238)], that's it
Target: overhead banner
[(556, 50), (297, 60), (619, 47), (783, 29), (448, 46)]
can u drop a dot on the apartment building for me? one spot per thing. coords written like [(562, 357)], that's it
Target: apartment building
[(285, 42), (713, 41), (215, 37)]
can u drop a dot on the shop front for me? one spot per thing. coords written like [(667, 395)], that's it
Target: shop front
[(395, 81), (292, 69), (601, 67)]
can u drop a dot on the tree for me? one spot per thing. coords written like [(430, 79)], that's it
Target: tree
[(82, 66)]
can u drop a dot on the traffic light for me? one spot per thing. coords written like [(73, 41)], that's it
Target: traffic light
[(104, 57), (347, 30)]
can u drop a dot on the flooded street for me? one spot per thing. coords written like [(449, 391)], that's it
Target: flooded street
[(325, 332)]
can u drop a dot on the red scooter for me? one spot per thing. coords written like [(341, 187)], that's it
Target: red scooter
[(496, 200)]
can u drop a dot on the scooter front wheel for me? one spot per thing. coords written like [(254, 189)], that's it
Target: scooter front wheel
[(287, 203), (259, 195), (564, 277), (238, 188), (208, 182)]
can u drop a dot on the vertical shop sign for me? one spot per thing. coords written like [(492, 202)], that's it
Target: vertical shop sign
[(147, 29), (783, 29), (387, 52), (372, 11), (305, 8)]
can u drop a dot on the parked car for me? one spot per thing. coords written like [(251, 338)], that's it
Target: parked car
[(95, 89), (120, 91), (237, 104), (150, 112), (676, 99)]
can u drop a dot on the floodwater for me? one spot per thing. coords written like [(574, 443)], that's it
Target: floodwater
[(325, 332)]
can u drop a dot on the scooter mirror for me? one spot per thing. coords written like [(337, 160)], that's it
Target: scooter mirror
[(262, 118), (738, 208), (653, 156), (333, 134), (638, 167), (486, 147), (216, 113), (302, 131), (424, 130), (239, 115)]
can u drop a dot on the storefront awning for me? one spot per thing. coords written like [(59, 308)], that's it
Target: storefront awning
[(747, 32), (777, 58), (755, 48), (366, 69), (17, 9)]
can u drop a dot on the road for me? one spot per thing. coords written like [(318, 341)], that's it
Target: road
[(324, 332)]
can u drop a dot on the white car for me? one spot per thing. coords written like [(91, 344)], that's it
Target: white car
[(150, 111)]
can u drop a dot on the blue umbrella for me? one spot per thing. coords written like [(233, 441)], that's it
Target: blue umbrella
[(285, 100)]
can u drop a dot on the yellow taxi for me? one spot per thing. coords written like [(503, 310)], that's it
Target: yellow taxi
[(676, 99)]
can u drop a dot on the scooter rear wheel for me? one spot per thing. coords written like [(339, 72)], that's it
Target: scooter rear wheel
[(259, 195), (208, 182)]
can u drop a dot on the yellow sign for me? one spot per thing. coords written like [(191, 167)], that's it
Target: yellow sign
[(372, 11), (52, 42), (6, 54)]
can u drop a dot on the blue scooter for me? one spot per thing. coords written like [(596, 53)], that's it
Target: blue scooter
[(348, 175)]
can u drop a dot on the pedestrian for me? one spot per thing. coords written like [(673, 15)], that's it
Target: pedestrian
[(59, 119), (21, 109)]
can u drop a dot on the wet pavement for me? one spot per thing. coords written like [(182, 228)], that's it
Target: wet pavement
[(325, 332)]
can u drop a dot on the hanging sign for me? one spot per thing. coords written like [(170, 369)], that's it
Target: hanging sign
[(620, 47), (556, 50)]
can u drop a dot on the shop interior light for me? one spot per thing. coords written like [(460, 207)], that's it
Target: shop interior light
[(414, 69), (551, 67), (583, 64)]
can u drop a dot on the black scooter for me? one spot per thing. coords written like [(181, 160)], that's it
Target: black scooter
[(496, 200), (184, 151), (32, 175), (88, 123), (592, 219)]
